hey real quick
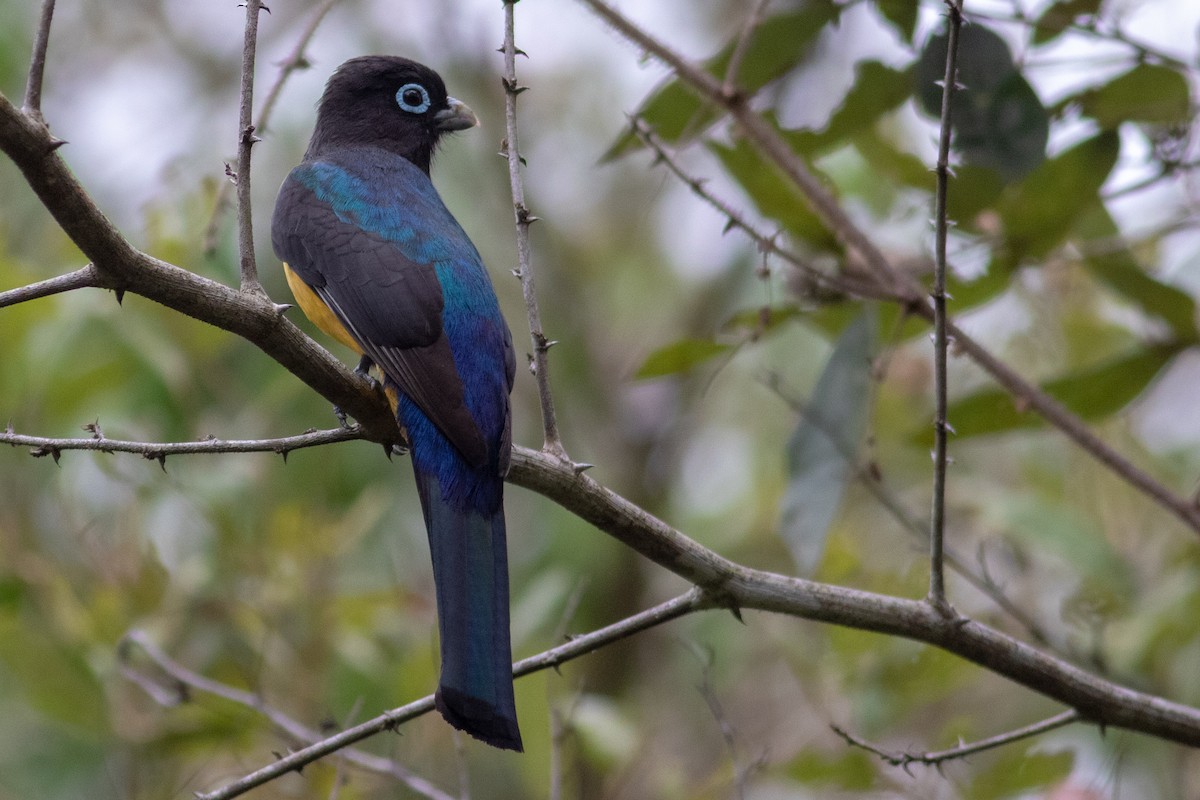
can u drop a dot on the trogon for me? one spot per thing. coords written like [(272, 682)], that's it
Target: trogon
[(376, 261)]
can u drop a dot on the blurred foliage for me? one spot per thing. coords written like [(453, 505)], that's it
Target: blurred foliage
[(683, 354)]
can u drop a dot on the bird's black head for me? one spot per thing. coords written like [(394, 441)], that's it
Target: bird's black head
[(388, 102)]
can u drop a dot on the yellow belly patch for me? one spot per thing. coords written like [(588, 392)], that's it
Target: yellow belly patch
[(315, 309)]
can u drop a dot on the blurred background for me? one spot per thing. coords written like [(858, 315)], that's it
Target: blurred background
[(683, 358)]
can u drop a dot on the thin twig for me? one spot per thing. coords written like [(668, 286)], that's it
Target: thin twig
[(539, 363), (294, 61), (559, 725), (735, 586), (841, 283), (686, 603), (42, 446), (85, 277), (246, 140), (181, 675), (125, 268), (905, 288), (741, 772), (158, 451), (753, 21), (37, 64), (904, 760), (941, 426)]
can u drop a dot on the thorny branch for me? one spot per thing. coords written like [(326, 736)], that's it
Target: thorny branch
[(905, 288), (686, 603), (941, 426), (181, 677), (294, 61), (719, 582), (539, 361), (753, 21), (246, 141), (938, 757), (158, 451)]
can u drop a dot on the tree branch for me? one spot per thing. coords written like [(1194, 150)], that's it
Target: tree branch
[(37, 64), (539, 364), (79, 279), (936, 758), (904, 287), (158, 451), (184, 677), (723, 583), (692, 600), (246, 141), (730, 585), (294, 61), (122, 267), (753, 20), (841, 283), (735, 587), (941, 426)]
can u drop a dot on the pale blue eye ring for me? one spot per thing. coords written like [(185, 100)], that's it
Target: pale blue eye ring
[(413, 98)]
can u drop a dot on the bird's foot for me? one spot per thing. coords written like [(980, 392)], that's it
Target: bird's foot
[(363, 370)]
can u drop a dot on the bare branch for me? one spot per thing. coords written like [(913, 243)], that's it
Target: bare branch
[(158, 451), (578, 646), (294, 61), (904, 760), (120, 265), (541, 345), (741, 771), (753, 21), (905, 288), (840, 283), (941, 426), (246, 141), (722, 583), (37, 64), (79, 279), (183, 676), (733, 586)]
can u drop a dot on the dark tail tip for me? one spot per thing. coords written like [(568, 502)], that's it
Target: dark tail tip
[(478, 718)]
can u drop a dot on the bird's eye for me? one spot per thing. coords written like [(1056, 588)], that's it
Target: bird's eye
[(413, 98)]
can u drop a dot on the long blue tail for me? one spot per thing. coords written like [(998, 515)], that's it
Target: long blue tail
[(470, 573)]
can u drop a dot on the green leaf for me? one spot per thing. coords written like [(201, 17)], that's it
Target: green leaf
[(1092, 393), (1061, 15), (773, 194), (778, 46), (680, 356), (997, 118), (901, 15), (1147, 93), (1039, 212), (1121, 272), (877, 90), (822, 451)]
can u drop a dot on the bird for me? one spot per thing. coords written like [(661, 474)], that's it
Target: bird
[(376, 261)]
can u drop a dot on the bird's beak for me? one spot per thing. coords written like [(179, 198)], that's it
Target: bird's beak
[(456, 117)]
